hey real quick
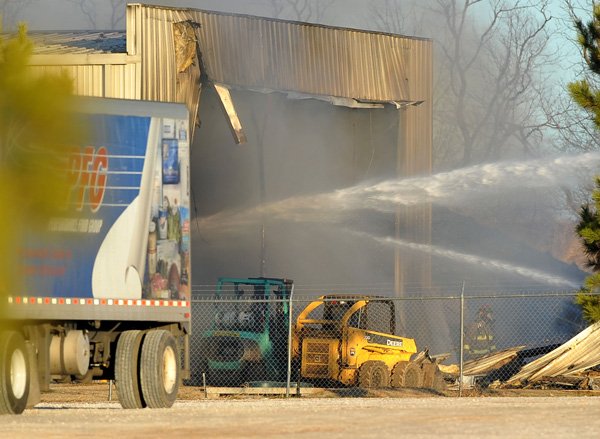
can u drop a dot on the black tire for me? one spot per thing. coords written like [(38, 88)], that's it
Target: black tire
[(159, 369), (127, 377), (15, 373), (373, 375), (398, 374), (439, 383), (413, 376), (407, 374)]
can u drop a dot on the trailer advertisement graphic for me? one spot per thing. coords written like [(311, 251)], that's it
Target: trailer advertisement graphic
[(125, 232)]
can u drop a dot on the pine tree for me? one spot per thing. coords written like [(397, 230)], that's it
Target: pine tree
[(588, 97), (589, 231), (37, 130)]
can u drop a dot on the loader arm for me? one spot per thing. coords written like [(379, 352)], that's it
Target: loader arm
[(344, 325), (302, 320)]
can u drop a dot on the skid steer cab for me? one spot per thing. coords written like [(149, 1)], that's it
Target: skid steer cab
[(247, 339), (350, 340)]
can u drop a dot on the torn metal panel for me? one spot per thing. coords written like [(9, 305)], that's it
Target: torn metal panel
[(488, 363), (229, 109), (184, 37), (564, 381), (154, 61), (265, 53), (188, 69), (573, 357), (335, 100)]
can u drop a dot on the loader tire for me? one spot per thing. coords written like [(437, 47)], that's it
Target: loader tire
[(439, 383), (407, 374), (15, 373), (433, 377), (373, 375), (127, 363), (159, 369)]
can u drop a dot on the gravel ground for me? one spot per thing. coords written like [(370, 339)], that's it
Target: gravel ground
[(417, 415)]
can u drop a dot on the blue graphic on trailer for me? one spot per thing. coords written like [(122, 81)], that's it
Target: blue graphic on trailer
[(107, 175)]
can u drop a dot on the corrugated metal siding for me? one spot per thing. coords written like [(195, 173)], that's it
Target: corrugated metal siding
[(113, 81), (87, 80), (249, 52), (261, 53), (80, 42), (415, 158), (120, 81), (97, 61), (159, 69)]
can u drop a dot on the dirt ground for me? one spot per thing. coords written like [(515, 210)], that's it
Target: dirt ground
[(78, 411), (100, 392)]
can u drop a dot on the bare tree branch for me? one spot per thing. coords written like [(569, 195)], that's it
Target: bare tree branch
[(10, 11), (102, 14), (301, 10)]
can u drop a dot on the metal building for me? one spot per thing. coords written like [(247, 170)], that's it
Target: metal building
[(172, 54)]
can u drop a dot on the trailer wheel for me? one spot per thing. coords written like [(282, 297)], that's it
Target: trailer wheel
[(159, 369), (15, 373), (127, 377), (407, 374), (373, 375)]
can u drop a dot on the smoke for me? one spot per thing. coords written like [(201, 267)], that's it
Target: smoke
[(309, 147), (307, 234)]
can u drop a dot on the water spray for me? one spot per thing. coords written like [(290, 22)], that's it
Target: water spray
[(447, 188), (491, 264)]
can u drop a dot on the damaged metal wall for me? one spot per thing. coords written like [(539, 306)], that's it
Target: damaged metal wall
[(268, 54), (168, 52), (247, 52)]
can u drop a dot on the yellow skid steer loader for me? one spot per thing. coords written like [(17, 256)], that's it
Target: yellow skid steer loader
[(349, 339)]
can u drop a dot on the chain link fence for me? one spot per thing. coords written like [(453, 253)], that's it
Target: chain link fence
[(281, 340)]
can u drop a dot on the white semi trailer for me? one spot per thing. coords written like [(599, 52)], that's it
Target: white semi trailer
[(106, 291)]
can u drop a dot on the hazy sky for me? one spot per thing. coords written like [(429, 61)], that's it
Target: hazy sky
[(65, 14)]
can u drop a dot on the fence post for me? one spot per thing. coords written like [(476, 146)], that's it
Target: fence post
[(289, 358), (462, 337)]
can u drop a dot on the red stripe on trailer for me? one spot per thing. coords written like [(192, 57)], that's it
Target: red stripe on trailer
[(18, 300)]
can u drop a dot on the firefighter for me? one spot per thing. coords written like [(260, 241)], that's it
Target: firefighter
[(479, 340)]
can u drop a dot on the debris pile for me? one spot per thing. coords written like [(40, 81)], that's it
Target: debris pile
[(568, 365)]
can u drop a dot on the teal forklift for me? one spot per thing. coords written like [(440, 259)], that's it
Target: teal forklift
[(247, 339)]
